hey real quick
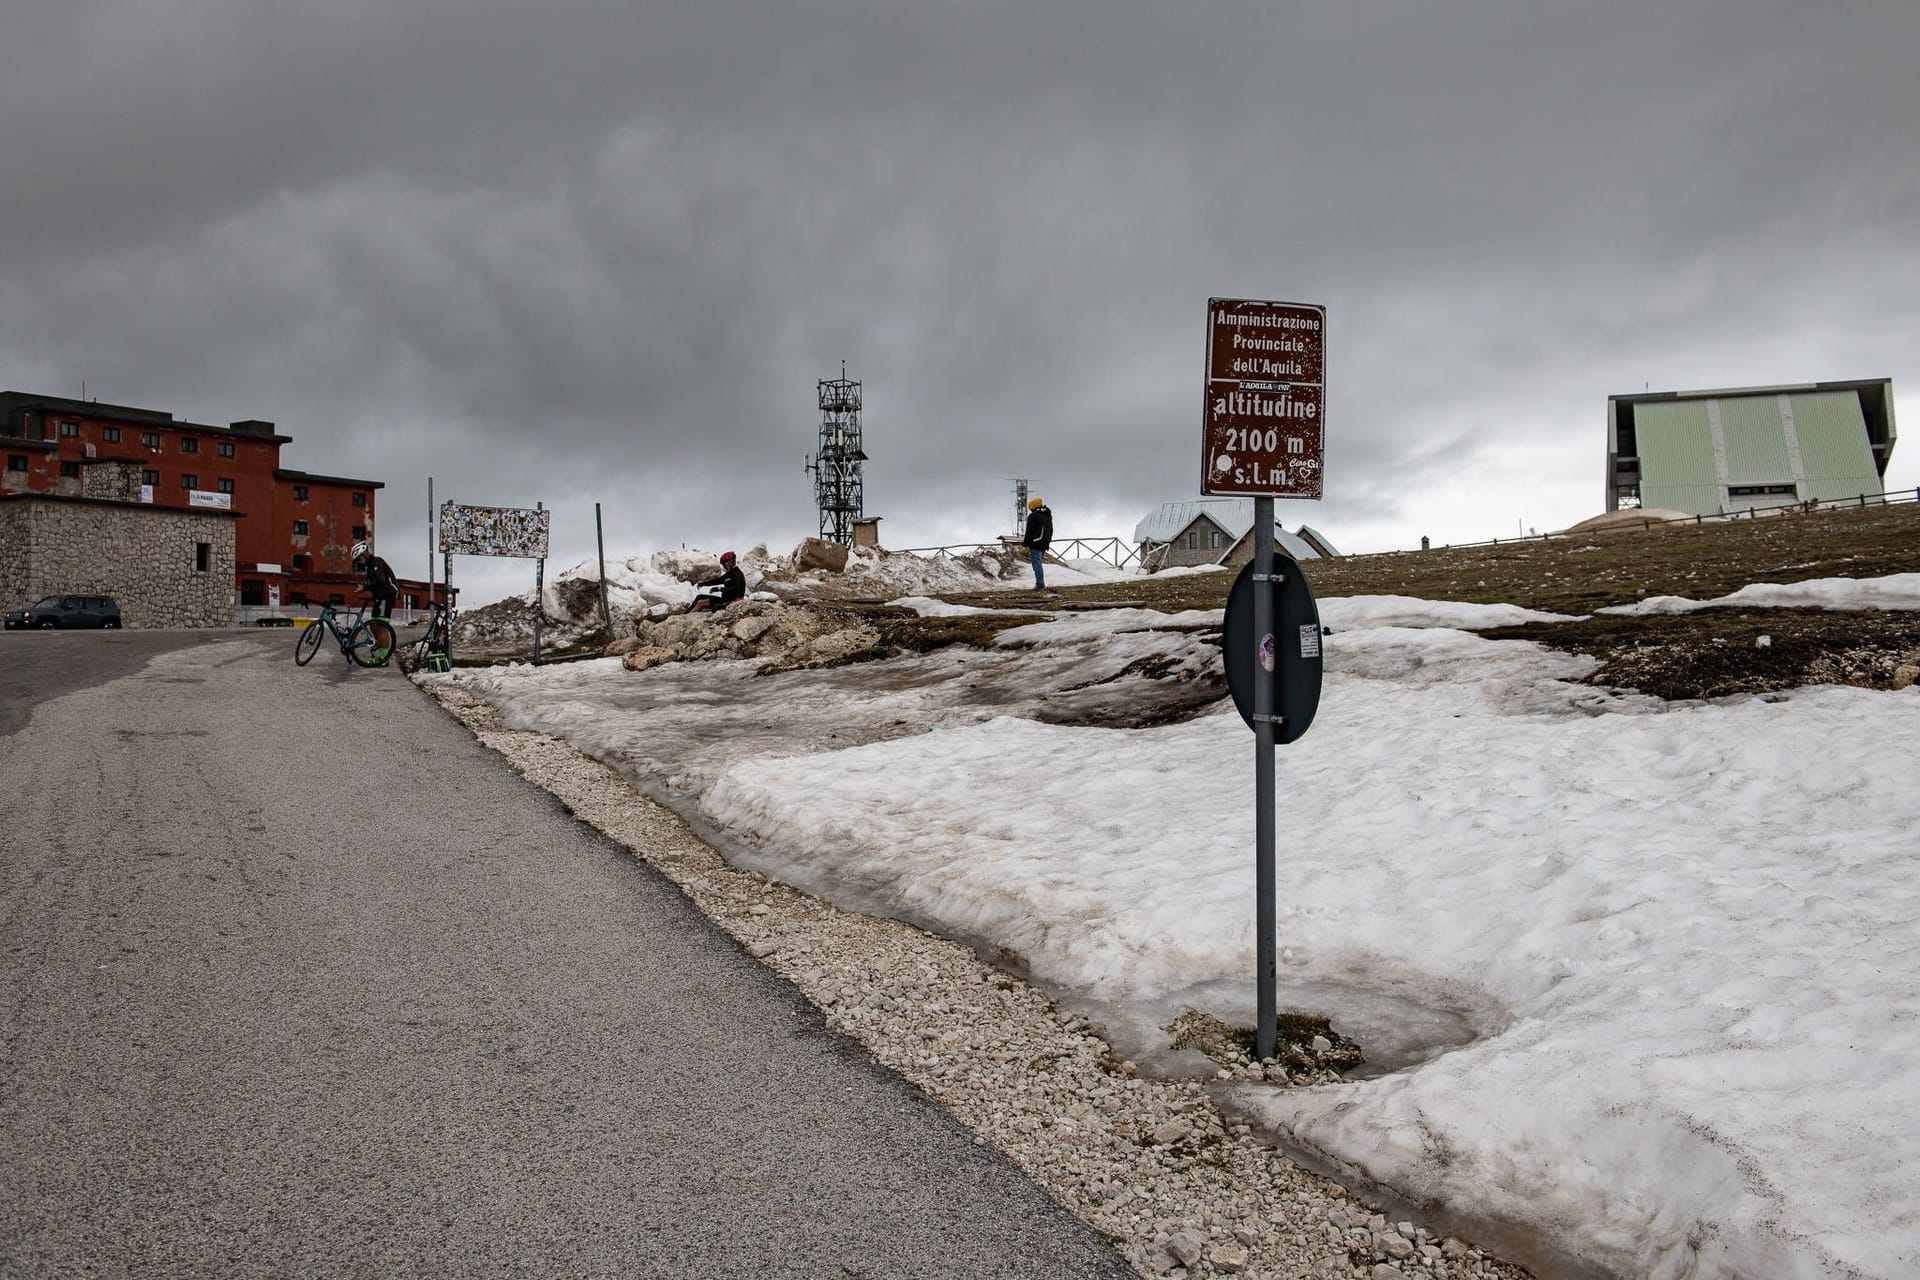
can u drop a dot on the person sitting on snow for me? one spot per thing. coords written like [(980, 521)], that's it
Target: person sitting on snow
[(732, 586)]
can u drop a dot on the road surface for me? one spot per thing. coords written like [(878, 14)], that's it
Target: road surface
[(297, 979)]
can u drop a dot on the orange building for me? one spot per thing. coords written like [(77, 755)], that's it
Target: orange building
[(294, 539)]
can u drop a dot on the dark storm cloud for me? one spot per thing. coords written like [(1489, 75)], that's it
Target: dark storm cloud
[(600, 251)]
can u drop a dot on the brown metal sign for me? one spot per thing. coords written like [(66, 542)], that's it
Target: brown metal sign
[(1265, 433)]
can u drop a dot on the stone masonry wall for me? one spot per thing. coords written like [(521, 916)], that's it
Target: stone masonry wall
[(13, 554), (144, 557)]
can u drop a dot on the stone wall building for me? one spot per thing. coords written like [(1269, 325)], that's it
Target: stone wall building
[(166, 566)]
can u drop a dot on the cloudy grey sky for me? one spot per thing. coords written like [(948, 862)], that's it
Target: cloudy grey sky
[(591, 251)]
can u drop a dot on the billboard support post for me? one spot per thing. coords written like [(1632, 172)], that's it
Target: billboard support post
[(600, 539), (539, 596)]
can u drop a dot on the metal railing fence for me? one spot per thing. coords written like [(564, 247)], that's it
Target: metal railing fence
[(1810, 506), (1114, 551)]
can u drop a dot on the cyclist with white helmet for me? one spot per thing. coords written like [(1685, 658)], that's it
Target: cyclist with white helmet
[(382, 586)]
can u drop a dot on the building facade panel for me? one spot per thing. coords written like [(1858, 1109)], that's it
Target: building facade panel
[(1756, 442), (1834, 447), (1677, 466)]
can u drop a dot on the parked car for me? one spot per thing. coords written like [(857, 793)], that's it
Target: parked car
[(67, 612)]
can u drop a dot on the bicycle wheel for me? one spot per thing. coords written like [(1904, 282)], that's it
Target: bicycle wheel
[(309, 642), (371, 643)]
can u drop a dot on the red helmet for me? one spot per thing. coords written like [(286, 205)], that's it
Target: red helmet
[(726, 557)]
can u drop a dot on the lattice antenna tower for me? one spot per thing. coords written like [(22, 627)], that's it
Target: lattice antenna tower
[(838, 486), (1019, 507)]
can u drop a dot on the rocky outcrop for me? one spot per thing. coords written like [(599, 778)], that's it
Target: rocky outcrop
[(782, 636), (818, 553)]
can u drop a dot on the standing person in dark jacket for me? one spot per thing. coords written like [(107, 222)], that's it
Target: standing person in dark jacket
[(1039, 538), (732, 584)]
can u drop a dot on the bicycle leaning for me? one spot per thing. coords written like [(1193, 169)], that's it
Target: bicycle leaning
[(366, 642), (430, 650)]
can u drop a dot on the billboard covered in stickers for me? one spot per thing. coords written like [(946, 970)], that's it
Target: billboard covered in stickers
[(493, 531)]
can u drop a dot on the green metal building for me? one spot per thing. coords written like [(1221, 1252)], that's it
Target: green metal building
[(1715, 452)]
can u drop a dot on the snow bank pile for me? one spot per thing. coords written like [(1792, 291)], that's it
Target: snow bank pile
[(1633, 520), (1651, 964), (1895, 591), (638, 585), (876, 573)]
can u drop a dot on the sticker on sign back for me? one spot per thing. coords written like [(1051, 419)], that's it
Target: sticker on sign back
[(1309, 641)]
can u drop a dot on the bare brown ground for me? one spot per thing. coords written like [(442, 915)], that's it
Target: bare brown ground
[(1699, 655)]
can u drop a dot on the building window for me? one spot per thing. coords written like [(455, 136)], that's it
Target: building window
[(16, 462), (110, 434), (202, 556), (1193, 540), (299, 528), (226, 448), (302, 562), (189, 482), (359, 499), (336, 598), (226, 485), (69, 431), (253, 592), (151, 439), (297, 597), (1215, 543), (1759, 490), (71, 469), (149, 477), (189, 444), (359, 532), (299, 493)]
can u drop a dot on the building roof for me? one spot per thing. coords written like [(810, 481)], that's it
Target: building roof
[(282, 473), (252, 429), (1730, 393), (1170, 519), (1235, 517)]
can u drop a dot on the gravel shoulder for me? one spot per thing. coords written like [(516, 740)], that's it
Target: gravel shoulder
[(1181, 1188)]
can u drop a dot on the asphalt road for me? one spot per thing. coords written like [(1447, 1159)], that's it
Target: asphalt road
[(297, 979)]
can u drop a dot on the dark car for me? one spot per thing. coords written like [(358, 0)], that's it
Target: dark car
[(67, 611)]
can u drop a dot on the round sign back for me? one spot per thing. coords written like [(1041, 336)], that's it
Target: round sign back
[(1291, 651)]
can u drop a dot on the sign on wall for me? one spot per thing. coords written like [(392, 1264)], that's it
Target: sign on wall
[(493, 531), (1265, 424), (204, 498)]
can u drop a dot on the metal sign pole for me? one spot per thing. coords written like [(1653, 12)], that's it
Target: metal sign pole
[(1265, 979), (429, 546)]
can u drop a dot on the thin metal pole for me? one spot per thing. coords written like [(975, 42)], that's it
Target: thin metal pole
[(1265, 979), (539, 597), (606, 614), (429, 546)]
